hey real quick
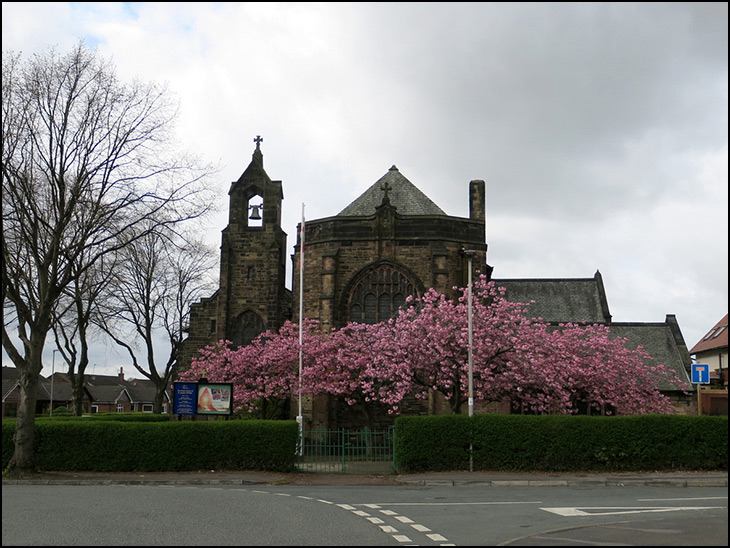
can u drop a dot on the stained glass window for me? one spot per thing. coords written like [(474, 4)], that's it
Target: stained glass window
[(378, 294)]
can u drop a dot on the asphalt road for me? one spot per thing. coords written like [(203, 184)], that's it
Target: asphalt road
[(357, 515)]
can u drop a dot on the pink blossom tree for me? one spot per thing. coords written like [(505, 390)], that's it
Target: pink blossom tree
[(359, 363), (539, 368), (264, 373)]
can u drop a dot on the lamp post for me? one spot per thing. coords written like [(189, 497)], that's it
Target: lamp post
[(469, 254), (300, 417), (53, 374)]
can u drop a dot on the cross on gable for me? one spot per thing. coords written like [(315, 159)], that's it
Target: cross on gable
[(258, 139), (385, 187)]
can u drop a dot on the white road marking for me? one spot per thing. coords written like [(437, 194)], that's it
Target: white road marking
[(684, 498), (388, 529), (618, 510)]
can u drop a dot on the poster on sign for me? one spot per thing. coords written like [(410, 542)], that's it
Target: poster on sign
[(215, 398)]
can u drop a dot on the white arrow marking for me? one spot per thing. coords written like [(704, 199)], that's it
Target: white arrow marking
[(592, 510)]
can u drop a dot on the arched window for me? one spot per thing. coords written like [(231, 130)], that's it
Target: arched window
[(245, 328), (378, 293)]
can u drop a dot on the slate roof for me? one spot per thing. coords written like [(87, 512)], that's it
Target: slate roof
[(11, 376), (403, 195), (109, 388), (62, 390), (583, 300), (560, 300), (714, 339), (659, 341)]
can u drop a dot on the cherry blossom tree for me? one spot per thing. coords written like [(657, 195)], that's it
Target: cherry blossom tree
[(264, 373), (539, 368)]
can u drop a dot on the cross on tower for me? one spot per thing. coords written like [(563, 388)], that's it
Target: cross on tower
[(385, 187), (258, 140)]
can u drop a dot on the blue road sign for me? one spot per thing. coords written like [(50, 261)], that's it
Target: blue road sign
[(700, 373)]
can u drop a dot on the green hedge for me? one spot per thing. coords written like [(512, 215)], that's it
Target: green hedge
[(431, 443), (562, 443), (111, 416), (106, 446)]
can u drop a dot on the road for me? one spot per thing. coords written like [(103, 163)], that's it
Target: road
[(297, 515)]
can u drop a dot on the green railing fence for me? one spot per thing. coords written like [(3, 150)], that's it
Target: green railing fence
[(363, 451)]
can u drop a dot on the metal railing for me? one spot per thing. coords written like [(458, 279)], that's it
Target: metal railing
[(364, 451)]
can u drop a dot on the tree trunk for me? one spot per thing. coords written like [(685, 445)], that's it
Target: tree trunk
[(159, 399), (78, 395), (23, 463)]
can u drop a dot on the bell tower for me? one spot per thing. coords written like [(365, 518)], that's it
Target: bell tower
[(252, 296)]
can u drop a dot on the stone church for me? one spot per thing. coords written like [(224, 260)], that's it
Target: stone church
[(362, 263)]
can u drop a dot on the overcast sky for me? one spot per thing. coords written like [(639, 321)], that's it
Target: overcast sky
[(600, 129)]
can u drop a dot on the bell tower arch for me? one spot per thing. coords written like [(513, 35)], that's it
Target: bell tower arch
[(253, 254)]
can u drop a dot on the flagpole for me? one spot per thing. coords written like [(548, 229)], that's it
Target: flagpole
[(300, 418)]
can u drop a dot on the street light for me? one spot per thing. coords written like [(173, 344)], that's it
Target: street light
[(53, 374), (469, 254)]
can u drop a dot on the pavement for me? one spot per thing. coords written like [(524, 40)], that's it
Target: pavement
[(455, 478)]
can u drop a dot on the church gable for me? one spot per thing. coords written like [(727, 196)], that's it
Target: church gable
[(402, 194)]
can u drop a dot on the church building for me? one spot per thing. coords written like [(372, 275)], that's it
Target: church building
[(362, 263)]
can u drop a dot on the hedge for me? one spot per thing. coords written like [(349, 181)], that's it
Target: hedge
[(422, 443), (561, 443), (106, 446)]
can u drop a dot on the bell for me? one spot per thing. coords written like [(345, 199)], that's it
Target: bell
[(255, 215)]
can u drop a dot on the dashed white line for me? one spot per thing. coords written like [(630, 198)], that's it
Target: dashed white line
[(388, 529)]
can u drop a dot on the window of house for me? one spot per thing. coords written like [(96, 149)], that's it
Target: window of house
[(378, 294), (146, 408), (120, 408)]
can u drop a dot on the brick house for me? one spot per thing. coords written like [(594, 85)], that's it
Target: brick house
[(361, 264), (58, 394), (712, 349), (103, 394)]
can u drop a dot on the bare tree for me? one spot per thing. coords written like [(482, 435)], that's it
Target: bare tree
[(158, 277), (87, 166), (72, 325)]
